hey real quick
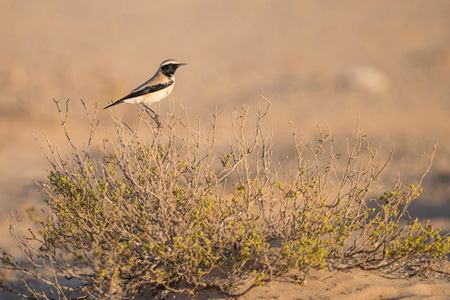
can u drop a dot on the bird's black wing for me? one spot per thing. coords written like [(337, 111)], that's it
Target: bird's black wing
[(147, 90), (140, 91)]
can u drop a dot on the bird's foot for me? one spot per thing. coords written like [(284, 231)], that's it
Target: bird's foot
[(154, 117)]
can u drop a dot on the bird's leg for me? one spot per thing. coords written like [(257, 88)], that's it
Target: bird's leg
[(154, 116)]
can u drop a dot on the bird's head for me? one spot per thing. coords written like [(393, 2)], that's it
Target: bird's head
[(169, 66)]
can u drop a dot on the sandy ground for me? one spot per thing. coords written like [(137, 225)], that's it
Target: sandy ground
[(319, 62), (353, 285)]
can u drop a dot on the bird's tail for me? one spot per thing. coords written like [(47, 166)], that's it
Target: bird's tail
[(115, 103)]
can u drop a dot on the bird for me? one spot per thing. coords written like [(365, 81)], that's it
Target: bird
[(156, 88)]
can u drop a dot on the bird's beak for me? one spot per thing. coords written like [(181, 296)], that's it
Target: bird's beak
[(181, 64)]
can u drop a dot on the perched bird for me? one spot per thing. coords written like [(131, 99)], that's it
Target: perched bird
[(156, 88)]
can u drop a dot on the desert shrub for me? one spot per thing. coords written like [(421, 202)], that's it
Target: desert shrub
[(161, 209)]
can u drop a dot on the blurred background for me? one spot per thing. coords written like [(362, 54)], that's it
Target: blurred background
[(326, 63)]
